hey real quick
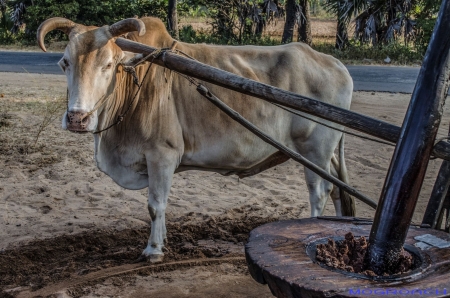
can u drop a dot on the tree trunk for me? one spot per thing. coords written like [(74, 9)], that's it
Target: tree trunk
[(172, 19), (304, 28), (341, 34), (288, 31)]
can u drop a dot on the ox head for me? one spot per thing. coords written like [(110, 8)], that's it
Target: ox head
[(90, 62)]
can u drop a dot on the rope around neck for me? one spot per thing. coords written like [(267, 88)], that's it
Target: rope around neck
[(131, 69)]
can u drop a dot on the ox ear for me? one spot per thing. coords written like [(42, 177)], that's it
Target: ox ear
[(130, 59)]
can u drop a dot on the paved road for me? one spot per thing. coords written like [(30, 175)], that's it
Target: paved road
[(365, 78)]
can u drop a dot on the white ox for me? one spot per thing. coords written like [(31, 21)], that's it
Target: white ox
[(171, 128)]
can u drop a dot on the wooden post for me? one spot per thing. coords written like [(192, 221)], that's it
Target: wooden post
[(433, 215), (196, 69), (407, 170), (444, 214)]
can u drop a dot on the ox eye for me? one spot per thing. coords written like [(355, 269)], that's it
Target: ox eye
[(64, 64), (108, 66)]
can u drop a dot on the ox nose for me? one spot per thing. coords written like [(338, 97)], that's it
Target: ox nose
[(78, 121)]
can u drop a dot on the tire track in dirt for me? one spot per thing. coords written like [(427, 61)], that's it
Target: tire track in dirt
[(129, 269), (45, 267)]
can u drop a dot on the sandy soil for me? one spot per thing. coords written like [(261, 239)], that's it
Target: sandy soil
[(67, 228)]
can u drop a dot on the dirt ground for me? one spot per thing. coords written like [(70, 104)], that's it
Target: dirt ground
[(67, 230)]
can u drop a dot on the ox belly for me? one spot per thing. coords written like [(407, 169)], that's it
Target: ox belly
[(237, 152)]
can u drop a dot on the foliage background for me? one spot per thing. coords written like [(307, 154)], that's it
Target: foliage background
[(243, 21)]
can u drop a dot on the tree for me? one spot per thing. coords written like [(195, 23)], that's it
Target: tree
[(425, 14), (377, 21), (3, 15), (292, 10), (304, 26), (297, 14), (172, 19), (344, 11)]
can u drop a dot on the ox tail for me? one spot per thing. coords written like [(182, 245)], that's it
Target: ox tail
[(347, 201)]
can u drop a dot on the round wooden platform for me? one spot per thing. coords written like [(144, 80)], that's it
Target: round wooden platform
[(277, 255)]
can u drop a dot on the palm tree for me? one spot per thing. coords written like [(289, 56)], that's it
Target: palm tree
[(18, 14), (297, 13), (304, 26), (345, 10), (172, 19), (383, 21), (377, 21), (4, 19), (291, 9)]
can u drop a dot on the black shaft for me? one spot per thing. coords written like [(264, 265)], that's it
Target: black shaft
[(407, 170)]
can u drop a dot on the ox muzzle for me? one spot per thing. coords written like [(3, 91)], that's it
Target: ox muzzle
[(78, 121)]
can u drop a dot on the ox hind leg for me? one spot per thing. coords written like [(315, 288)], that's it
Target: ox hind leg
[(319, 149), (319, 190), (160, 169)]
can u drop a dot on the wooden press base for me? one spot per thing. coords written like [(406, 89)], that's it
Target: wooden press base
[(277, 255)]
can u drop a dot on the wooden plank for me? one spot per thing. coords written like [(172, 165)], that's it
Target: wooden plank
[(198, 70)]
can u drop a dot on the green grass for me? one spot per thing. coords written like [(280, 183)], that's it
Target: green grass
[(357, 53)]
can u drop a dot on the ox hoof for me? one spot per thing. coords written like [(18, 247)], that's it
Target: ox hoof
[(155, 258), (153, 254), (151, 258)]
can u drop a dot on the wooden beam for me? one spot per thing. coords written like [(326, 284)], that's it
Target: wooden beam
[(292, 154), (198, 70)]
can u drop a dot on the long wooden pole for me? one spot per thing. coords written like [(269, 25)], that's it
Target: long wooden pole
[(292, 154), (196, 69), (412, 153)]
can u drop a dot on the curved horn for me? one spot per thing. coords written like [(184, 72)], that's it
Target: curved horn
[(62, 24), (127, 25)]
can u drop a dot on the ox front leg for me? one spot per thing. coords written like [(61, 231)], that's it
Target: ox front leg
[(160, 174)]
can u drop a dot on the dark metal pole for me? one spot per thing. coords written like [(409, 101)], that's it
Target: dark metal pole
[(407, 170)]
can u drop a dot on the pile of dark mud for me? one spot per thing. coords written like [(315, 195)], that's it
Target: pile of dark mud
[(349, 255), (52, 260)]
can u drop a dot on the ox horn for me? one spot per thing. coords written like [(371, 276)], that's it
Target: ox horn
[(61, 24), (127, 25)]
